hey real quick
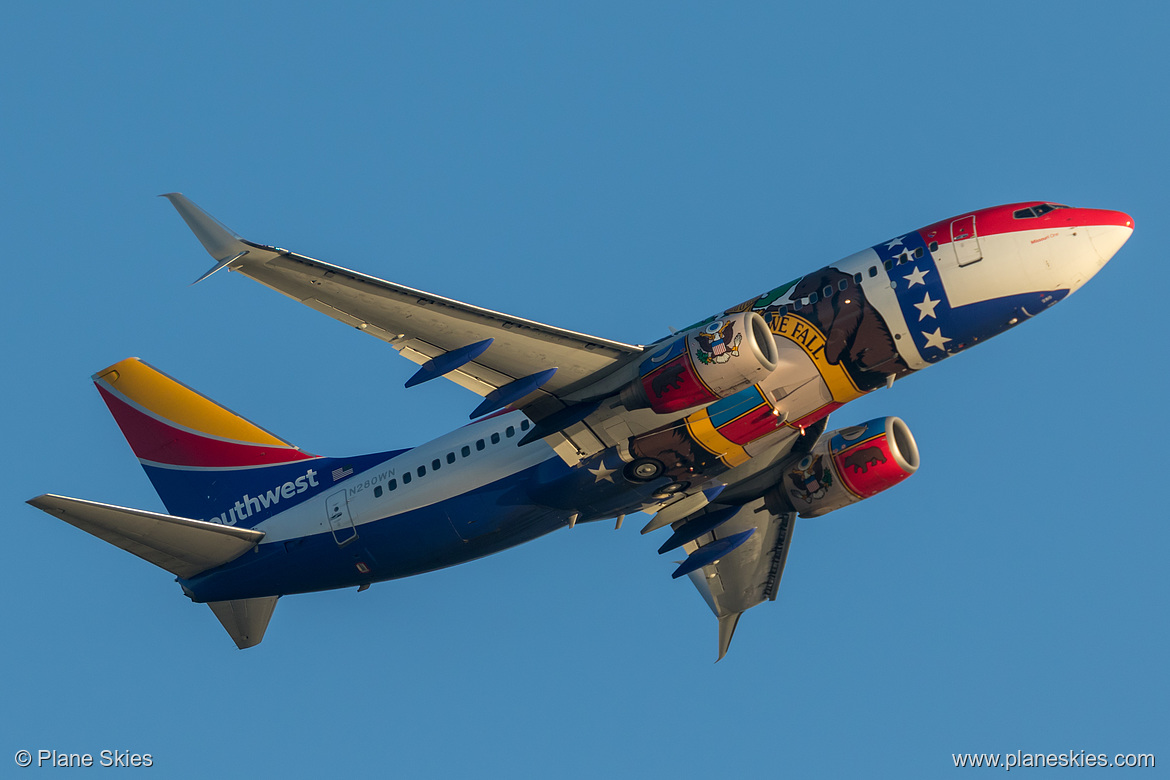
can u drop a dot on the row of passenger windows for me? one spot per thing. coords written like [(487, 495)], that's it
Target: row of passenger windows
[(464, 452), (828, 291)]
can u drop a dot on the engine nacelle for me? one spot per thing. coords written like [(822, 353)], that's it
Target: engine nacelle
[(709, 362), (849, 464)]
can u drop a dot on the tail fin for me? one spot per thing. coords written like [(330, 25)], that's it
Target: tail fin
[(201, 458), (184, 547)]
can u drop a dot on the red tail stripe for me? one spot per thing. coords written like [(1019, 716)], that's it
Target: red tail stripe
[(156, 441)]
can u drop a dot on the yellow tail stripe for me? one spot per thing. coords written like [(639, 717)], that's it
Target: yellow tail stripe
[(179, 404)]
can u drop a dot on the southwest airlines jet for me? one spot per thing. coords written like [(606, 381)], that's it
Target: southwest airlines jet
[(719, 433)]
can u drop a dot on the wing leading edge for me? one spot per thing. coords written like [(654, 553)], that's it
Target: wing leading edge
[(420, 325)]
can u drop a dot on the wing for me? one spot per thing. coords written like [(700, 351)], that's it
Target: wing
[(744, 576), (421, 326)]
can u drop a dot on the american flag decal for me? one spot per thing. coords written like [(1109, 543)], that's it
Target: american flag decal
[(342, 472)]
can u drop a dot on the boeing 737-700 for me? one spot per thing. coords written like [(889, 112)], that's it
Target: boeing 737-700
[(719, 432)]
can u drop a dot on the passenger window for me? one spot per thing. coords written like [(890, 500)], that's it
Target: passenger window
[(933, 246), (465, 451), (406, 478), (495, 438), (889, 264), (827, 292), (523, 425), (841, 285), (393, 484), (479, 444), (377, 491), (422, 471), (450, 457), (903, 258), (873, 271), (510, 431), (918, 252), (435, 464), (797, 304), (857, 278)]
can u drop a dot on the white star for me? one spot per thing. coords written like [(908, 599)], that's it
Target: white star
[(917, 276), (936, 339), (601, 472), (926, 308), (895, 242)]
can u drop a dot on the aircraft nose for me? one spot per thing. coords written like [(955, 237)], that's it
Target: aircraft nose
[(1108, 231)]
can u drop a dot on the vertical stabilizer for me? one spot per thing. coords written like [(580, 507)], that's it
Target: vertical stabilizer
[(201, 457), (246, 620)]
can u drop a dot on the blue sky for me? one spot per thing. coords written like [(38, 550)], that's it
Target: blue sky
[(616, 170)]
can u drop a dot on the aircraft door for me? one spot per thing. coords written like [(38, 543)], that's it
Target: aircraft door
[(965, 241), (340, 521)]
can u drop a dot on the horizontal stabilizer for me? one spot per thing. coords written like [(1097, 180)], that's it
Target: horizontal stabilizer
[(245, 619), (181, 546)]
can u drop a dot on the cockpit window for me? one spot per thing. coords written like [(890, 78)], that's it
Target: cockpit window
[(1037, 211)]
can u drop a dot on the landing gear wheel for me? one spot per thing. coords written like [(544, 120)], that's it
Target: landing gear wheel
[(667, 491), (644, 470)]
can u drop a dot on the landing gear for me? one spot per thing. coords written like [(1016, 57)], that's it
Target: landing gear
[(644, 470), (667, 491)]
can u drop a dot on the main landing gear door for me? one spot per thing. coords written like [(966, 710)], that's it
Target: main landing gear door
[(965, 241), (337, 510)]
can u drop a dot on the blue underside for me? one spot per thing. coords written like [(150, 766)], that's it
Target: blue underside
[(462, 528)]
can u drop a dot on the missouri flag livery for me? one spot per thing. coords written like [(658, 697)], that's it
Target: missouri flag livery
[(719, 432)]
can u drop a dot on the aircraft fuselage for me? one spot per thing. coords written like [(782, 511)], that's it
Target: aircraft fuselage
[(840, 332)]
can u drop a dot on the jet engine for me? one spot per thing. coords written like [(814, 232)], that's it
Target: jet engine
[(708, 362), (849, 464)]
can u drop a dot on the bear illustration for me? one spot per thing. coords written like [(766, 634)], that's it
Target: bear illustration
[(864, 458), (856, 336)]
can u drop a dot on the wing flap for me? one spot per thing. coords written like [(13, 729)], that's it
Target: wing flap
[(181, 546)]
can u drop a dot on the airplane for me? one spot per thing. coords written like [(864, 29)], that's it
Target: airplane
[(718, 431)]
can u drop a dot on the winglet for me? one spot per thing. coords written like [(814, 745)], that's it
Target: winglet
[(220, 242), (727, 625)]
